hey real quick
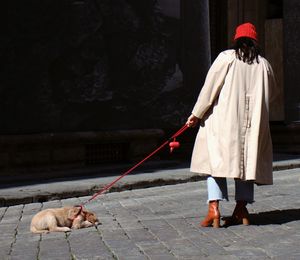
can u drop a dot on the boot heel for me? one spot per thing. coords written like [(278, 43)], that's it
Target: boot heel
[(216, 223), (246, 221), (240, 215)]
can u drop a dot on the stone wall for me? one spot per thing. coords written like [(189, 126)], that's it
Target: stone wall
[(291, 54), (91, 82), (75, 65), (274, 54)]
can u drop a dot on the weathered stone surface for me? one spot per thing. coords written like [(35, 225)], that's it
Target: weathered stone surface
[(291, 54), (150, 224), (79, 65)]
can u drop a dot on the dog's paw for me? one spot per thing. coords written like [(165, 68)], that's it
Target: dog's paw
[(66, 229)]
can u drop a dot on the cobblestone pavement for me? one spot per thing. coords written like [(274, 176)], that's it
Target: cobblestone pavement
[(161, 223)]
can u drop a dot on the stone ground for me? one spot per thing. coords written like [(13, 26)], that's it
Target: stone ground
[(161, 223)]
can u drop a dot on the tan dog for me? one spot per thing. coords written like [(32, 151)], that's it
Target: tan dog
[(62, 219)]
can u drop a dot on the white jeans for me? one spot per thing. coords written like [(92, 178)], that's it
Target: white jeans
[(217, 189)]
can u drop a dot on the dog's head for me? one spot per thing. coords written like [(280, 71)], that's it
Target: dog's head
[(87, 215), (91, 217)]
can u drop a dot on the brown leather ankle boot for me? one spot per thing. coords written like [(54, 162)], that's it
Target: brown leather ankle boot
[(213, 215), (240, 215)]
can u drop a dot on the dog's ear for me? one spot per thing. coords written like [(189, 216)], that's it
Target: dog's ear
[(73, 212), (87, 215)]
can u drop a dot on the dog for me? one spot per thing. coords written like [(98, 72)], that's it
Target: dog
[(62, 219)]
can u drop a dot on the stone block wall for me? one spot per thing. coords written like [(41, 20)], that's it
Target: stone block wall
[(46, 156), (75, 65), (76, 74)]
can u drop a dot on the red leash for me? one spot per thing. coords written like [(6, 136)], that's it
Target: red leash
[(173, 144)]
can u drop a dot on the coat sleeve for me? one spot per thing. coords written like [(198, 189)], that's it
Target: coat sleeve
[(213, 83), (274, 90)]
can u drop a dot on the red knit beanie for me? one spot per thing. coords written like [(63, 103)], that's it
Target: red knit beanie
[(246, 30)]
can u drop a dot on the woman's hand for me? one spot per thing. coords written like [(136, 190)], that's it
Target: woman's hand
[(192, 121)]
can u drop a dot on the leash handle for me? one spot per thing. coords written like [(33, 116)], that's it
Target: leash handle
[(108, 186)]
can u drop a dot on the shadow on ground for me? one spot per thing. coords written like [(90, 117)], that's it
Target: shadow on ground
[(275, 217), (17, 179)]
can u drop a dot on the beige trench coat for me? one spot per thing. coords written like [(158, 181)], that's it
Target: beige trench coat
[(234, 137)]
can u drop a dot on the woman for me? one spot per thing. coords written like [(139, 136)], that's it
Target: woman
[(234, 137)]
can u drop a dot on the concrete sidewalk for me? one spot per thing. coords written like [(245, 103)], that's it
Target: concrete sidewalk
[(150, 176)]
